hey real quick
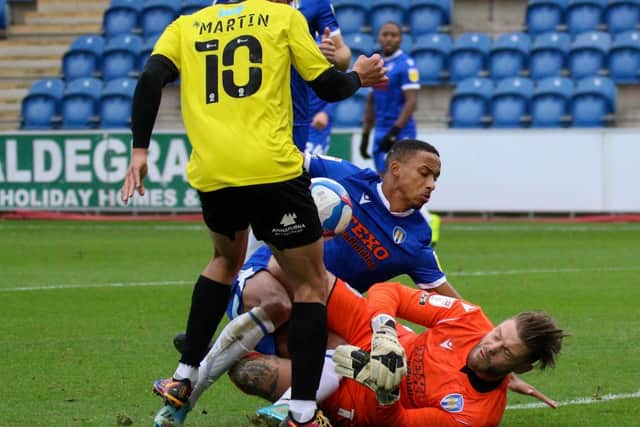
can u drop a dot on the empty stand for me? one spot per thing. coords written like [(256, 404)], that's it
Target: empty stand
[(80, 103), (469, 55), (191, 6), (349, 113), (622, 15), (585, 15), (83, 59), (510, 102), (593, 102), (427, 16), (431, 51), (469, 104), (352, 15), (509, 54), (624, 58), (543, 16), (383, 11), (156, 15), (549, 55), (121, 55), (121, 17), (588, 54), (115, 103), (41, 106), (550, 102)]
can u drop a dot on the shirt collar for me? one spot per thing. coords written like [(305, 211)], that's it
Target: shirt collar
[(388, 205)]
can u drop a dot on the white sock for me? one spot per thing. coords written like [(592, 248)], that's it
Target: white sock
[(186, 371), (302, 411), (329, 382), (238, 338)]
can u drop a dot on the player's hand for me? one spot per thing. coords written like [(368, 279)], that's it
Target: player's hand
[(389, 139), (388, 362), (370, 70), (364, 144), (327, 46), (355, 363), (522, 387), (320, 120), (134, 178)]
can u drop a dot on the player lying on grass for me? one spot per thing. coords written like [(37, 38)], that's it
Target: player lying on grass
[(458, 370)]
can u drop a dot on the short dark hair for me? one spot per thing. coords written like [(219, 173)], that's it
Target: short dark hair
[(542, 337), (407, 147), (398, 26)]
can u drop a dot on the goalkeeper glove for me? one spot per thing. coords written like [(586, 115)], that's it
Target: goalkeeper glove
[(388, 363), (355, 363), (364, 144), (389, 139)]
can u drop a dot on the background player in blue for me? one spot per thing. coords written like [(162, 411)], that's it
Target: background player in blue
[(321, 125), (387, 236), (391, 105), (323, 24)]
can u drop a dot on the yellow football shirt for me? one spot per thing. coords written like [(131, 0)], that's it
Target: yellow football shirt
[(234, 62)]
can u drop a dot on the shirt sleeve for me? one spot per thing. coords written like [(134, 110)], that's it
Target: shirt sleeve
[(327, 166), (326, 18), (427, 273), (417, 306), (411, 76), (305, 54), (168, 45)]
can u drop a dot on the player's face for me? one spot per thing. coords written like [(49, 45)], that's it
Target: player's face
[(500, 352), (390, 39), (416, 177)]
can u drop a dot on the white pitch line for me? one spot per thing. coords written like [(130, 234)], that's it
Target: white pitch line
[(111, 226), (541, 271), (579, 401), (592, 227), (95, 285), (47, 287)]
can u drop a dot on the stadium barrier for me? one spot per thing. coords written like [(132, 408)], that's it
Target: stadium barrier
[(537, 171)]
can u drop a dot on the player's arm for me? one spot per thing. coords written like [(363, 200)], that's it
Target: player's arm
[(158, 71), (367, 124), (408, 109), (342, 57), (447, 290), (327, 166), (417, 306)]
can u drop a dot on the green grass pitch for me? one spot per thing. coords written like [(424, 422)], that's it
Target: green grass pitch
[(89, 309)]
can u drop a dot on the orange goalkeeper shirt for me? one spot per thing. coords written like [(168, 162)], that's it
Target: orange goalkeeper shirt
[(439, 390)]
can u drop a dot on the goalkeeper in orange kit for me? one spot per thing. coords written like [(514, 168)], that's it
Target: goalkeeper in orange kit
[(457, 371)]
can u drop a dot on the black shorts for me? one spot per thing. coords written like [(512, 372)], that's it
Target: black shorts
[(282, 214)]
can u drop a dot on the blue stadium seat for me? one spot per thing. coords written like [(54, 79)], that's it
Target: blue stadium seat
[(383, 11), (156, 15), (469, 55), (360, 44), (624, 58), (585, 15), (349, 113), (543, 16), (470, 103), (83, 57), (508, 56), (115, 103), (588, 54), (548, 55), (191, 6), (510, 102), (145, 52), (592, 101), (80, 103), (427, 16), (550, 101), (121, 17), (4, 15), (622, 15), (352, 15), (120, 58), (430, 51), (407, 42), (41, 106)]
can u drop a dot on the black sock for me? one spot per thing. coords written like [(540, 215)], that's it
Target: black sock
[(307, 346), (208, 304)]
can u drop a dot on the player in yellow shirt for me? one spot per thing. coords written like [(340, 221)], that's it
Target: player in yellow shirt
[(234, 60)]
